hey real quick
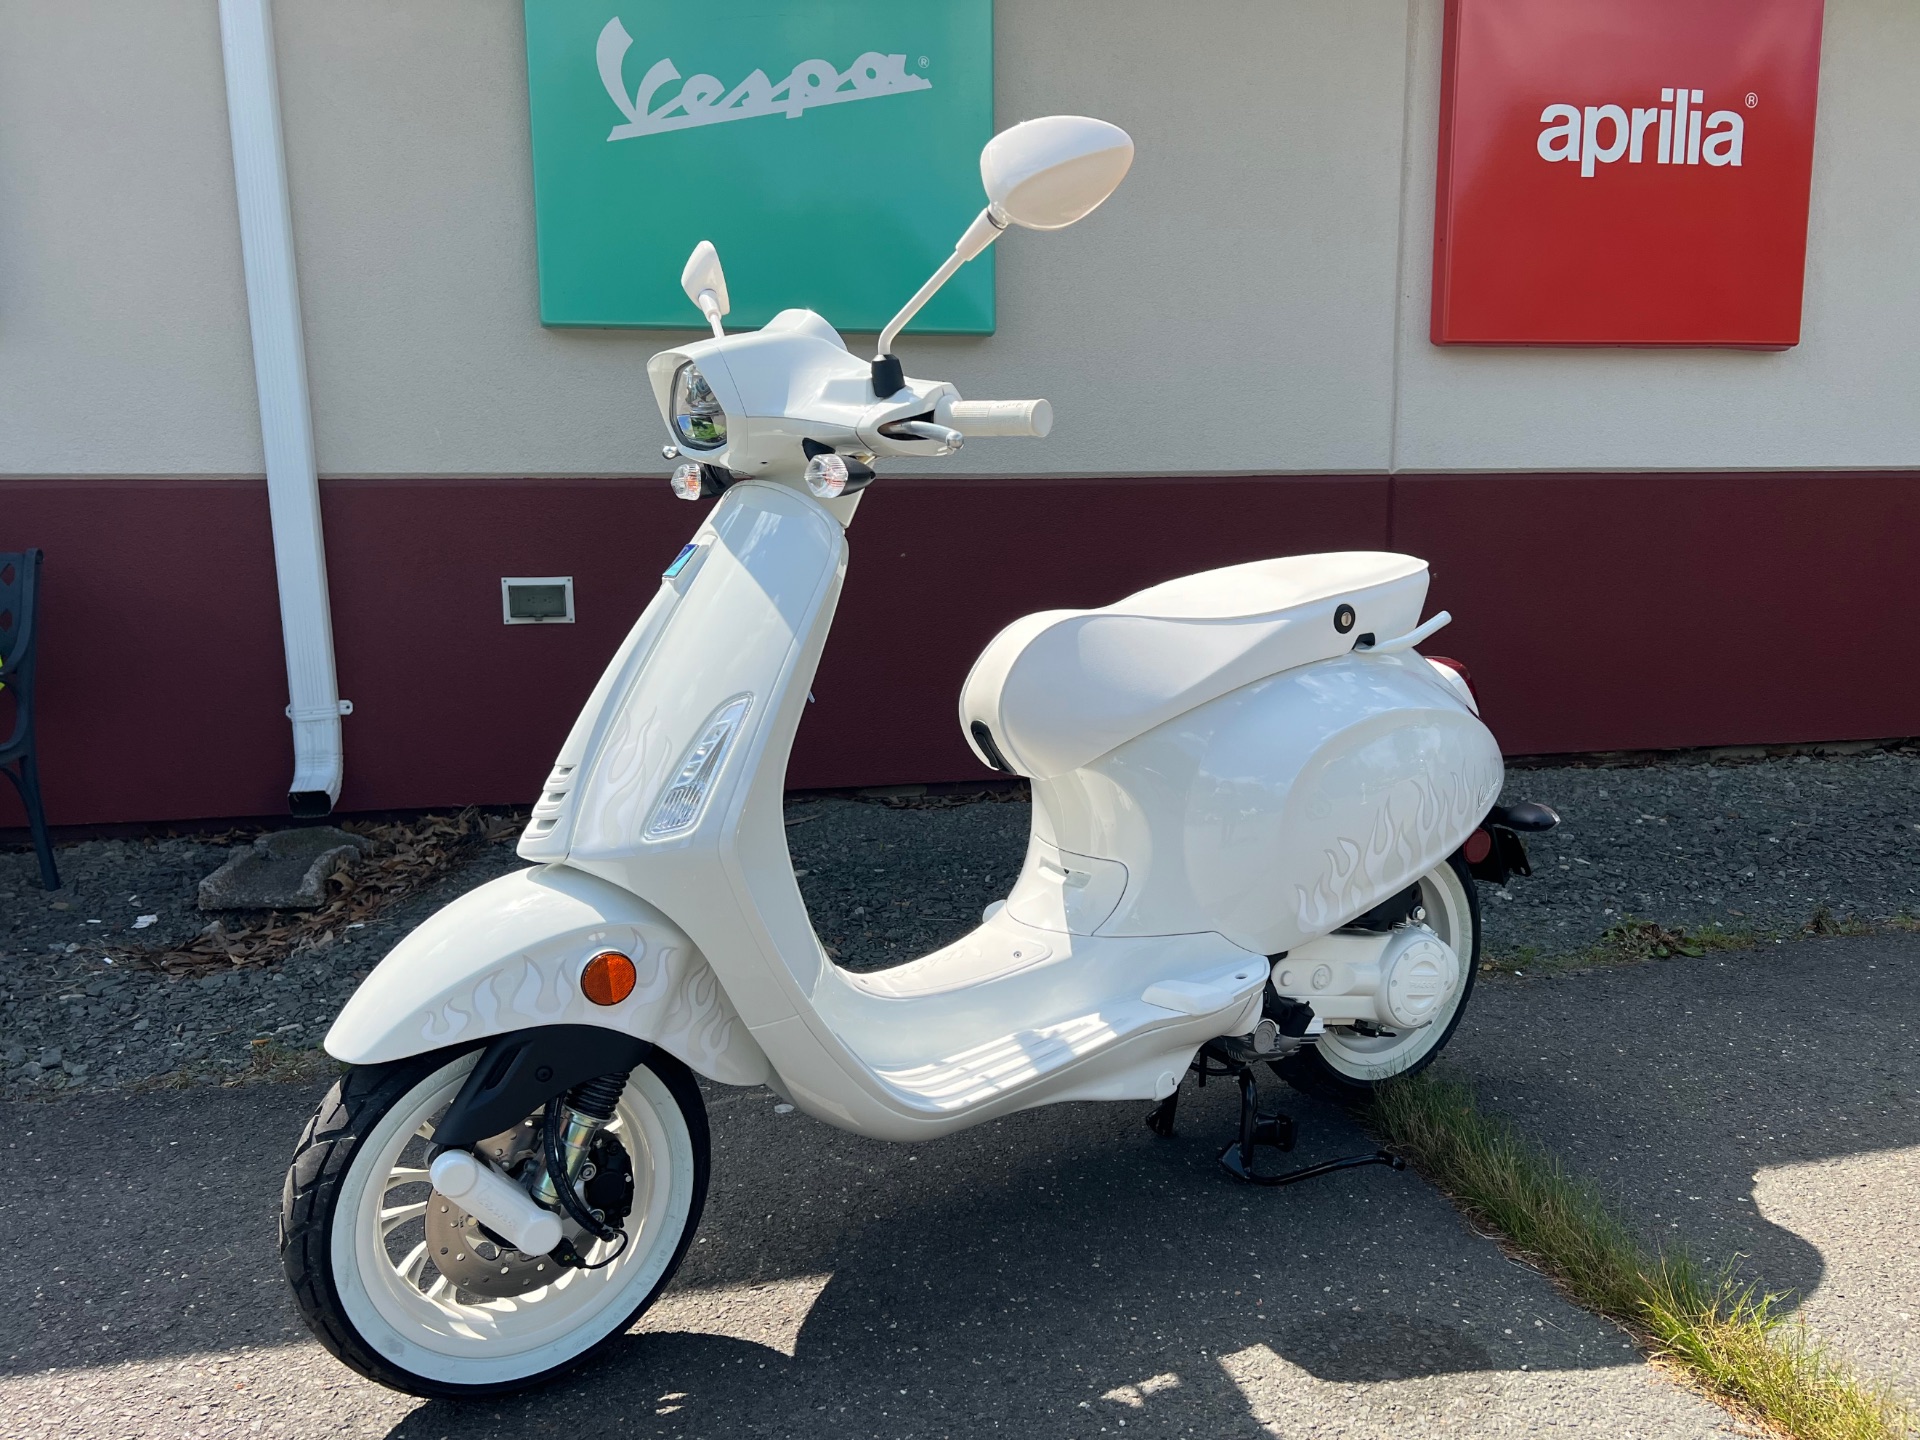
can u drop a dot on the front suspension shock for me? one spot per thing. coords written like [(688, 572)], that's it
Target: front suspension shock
[(585, 1108)]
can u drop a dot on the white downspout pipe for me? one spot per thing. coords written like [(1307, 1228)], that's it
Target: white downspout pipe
[(286, 420)]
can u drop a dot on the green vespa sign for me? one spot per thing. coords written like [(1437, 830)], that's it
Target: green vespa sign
[(828, 148)]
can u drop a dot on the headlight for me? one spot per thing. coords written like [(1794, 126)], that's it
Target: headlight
[(697, 417)]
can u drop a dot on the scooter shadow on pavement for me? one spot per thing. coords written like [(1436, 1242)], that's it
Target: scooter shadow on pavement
[(1684, 1088), (1050, 1269)]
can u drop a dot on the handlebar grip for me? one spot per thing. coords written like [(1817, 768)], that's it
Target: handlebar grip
[(1001, 417)]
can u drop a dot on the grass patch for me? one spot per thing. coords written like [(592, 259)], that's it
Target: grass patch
[(1632, 941), (1825, 922), (1732, 1339)]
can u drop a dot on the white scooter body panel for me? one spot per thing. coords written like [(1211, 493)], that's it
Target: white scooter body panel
[(1274, 814), (1191, 828), (1230, 765), (766, 574), (1161, 875), (508, 956)]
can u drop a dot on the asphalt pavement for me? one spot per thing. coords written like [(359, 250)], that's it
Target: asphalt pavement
[(1763, 1106), (1059, 1273), (1064, 1272)]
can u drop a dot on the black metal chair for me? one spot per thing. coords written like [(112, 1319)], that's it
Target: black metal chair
[(19, 593)]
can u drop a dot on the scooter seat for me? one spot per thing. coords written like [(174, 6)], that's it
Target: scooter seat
[(1059, 688)]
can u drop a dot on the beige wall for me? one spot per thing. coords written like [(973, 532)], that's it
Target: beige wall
[(123, 316), (1844, 397), (1266, 262)]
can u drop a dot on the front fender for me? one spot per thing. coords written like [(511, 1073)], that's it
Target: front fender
[(508, 956)]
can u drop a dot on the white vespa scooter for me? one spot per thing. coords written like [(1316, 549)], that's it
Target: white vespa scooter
[(1255, 813)]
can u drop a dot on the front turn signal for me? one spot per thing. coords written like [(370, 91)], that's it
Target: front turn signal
[(685, 481)]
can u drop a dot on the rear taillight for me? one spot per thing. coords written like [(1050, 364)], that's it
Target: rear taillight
[(1447, 662)]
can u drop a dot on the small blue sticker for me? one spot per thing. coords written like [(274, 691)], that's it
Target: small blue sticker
[(679, 561)]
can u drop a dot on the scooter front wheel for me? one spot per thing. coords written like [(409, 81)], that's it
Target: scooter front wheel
[(360, 1249), (1345, 1065)]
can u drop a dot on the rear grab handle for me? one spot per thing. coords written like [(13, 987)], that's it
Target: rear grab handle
[(1407, 641)]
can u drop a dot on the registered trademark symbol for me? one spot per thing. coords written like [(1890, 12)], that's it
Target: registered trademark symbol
[(924, 62), (1752, 99)]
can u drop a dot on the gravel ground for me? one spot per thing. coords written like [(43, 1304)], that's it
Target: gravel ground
[(1760, 845), (69, 1019), (1750, 846), (886, 883)]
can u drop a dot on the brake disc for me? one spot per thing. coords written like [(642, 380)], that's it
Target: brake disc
[(477, 1260)]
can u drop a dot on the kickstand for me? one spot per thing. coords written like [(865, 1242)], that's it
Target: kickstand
[(1278, 1131), (1160, 1118)]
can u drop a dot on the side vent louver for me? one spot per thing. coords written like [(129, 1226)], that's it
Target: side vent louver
[(553, 798)]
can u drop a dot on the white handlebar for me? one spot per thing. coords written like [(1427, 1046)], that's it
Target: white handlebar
[(1000, 417)]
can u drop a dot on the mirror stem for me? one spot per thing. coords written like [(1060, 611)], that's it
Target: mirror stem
[(709, 304), (984, 230)]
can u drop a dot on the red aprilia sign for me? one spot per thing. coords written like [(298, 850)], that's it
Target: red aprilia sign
[(1624, 172)]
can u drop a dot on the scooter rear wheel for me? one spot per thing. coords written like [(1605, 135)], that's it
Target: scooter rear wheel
[(354, 1244), (1345, 1066)]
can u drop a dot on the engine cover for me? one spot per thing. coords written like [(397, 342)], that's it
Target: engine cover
[(1417, 977), (1402, 979)]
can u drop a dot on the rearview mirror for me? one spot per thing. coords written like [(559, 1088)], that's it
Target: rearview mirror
[(1047, 173), (706, 284), (1043, 174)]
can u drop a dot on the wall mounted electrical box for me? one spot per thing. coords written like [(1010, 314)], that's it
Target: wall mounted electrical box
[(537, 600)]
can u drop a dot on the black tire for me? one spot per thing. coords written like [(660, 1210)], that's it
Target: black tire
[(311, 1194), (1309, 1072)]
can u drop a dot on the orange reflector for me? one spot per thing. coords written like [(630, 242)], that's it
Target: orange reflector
[(608, 978)]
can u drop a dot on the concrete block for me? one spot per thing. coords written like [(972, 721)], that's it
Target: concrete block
[(283, 871)]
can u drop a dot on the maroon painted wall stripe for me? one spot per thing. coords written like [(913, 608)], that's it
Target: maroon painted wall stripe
[(1597, 612), (1648, 611)]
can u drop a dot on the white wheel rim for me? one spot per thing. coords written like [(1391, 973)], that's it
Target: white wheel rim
[(1371, 1058), (401, 1306)]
